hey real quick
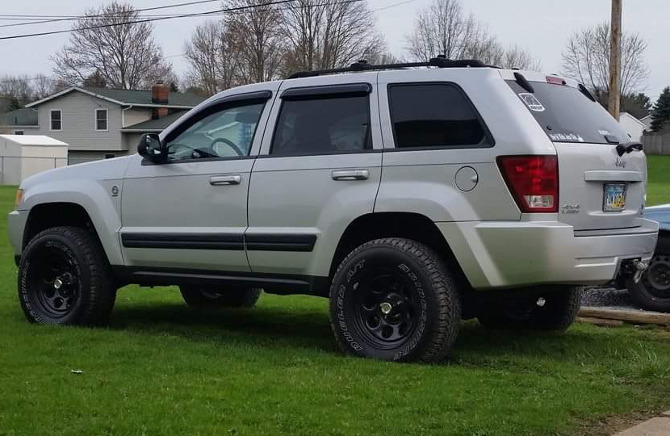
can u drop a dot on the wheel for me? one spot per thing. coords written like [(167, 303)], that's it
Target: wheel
[(196, 296), (64, 278), (549, 308), (652, 292), (394, 299)]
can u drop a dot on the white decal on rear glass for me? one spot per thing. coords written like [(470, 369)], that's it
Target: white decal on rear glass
[(565, 137), (532, 102)]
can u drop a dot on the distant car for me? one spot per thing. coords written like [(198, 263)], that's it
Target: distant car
[(652, 292)]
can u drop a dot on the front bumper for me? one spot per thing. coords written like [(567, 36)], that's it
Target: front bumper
[(515, 254), (16, 222)]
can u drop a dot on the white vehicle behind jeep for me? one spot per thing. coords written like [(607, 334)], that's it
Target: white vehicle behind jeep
[(411, 195)]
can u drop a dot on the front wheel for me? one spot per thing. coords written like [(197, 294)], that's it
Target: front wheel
[(394, 299), (652, 292), (548, 308), (64, 278)]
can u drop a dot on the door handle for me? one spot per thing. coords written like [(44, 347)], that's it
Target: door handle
[(233, 179), (350, 174)]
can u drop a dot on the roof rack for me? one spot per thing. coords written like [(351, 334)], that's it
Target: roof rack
[(362, 65)]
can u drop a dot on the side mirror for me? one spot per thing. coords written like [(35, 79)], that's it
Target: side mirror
[(151, 148)]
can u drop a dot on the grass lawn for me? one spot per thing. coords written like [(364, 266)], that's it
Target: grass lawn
[(161, 368), (658, 187)]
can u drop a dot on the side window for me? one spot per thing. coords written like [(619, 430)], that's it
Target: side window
[(323, 125), (101, 119), (434, 115), (225, 133), (56, 120)]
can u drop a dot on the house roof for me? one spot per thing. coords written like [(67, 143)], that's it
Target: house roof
[(632, 118), (20, 117), (157, 125), (33, 140), (129, 97)]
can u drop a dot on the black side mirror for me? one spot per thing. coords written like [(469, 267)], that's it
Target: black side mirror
[(151, 148)]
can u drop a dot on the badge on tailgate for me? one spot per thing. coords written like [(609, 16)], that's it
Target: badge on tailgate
[(614, 197)]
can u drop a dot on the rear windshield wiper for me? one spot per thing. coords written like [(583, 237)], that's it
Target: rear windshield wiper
[(628, 147), (525, 84)]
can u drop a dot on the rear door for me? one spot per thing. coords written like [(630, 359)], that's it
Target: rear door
[(602, 175)]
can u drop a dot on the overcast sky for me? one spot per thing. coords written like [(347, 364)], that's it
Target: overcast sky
[(540, 26)]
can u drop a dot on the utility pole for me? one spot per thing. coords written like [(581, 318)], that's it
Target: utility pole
[(614, 100)]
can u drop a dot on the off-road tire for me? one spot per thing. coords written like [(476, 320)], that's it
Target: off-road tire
[(86, 291), (652, 292), (420, 291), (558, 311), (198, 296)]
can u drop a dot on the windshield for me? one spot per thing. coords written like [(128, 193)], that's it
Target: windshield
[(567, 115)]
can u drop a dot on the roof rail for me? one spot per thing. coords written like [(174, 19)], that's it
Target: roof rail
[(362, 65)]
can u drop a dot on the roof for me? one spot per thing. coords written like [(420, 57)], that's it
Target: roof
[(20, 117), (632, 118), (33, 140), (157, 125), (130, 97)]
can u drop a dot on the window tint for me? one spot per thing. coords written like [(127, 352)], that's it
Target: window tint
[(434, 115), (226, 133), (323, 125), (56, 120), (567, 115), (101, 119)]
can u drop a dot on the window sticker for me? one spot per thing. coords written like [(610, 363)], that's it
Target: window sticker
[(565, 137), (531, 101)]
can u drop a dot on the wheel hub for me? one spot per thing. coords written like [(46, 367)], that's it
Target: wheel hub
[(385, 308), (658, 275)]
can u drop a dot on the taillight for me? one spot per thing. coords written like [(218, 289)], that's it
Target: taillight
[(533, 181)]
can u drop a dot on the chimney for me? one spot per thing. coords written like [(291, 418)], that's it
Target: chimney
[(160, 94)]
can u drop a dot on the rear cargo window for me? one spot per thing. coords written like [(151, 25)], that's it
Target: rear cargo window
[(435, 115), (567, 115)]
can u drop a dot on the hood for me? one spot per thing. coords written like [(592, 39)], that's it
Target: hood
[(99, 170), (660, 214)]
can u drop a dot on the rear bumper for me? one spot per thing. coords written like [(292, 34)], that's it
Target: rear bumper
[(513, 254)]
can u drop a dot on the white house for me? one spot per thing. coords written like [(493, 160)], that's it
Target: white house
[(21, 156), (632, 126)]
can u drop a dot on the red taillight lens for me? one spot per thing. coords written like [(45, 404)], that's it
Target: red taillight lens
[(533, 181)]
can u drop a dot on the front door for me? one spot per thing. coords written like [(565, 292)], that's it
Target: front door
[(191, 212)]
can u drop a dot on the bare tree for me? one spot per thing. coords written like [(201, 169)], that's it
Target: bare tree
[(111, 41), (213, 58), (587, 58), (323, 35), (256, 37), (443, 28)]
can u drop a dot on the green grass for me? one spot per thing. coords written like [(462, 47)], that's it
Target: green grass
[(162, 369), (658, 187)]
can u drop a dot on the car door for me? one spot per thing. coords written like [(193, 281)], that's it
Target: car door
[(191, 211), (318, 171)]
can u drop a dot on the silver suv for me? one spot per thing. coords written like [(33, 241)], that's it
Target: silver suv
[(411, 195)]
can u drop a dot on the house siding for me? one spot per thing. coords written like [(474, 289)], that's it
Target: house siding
[(78, 123), (136, 115)]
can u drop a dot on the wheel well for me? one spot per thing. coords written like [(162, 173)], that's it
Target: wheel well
[(394, 224), (45, 216)]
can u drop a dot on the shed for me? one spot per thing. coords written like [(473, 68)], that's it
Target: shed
[(632, 126), (21, 156)]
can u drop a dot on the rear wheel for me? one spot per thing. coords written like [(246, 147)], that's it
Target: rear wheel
[(198, 296), (550, 308), (394, 299), (652, 292), (64, 278)]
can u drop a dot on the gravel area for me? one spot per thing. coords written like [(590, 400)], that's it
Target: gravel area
[(608, 298)]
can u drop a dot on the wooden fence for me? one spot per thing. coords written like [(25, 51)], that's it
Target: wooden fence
[(657, 143)]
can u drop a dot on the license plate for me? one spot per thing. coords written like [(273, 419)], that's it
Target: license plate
[(614, 199)]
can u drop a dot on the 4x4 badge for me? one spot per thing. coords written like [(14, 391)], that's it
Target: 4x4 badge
[(570, 208)]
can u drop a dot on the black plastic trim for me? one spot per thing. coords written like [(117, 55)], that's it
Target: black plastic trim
[(309, 92), (283, 284), (273, 242), (183, 241)]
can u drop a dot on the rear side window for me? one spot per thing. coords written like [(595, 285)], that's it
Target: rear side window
[(567, 115), (435, 115), (323, 125)]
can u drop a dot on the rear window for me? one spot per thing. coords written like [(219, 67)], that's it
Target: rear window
[(567, 115)]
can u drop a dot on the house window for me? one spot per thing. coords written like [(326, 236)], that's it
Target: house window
[(18, 132), (56, 120), (101, 119)]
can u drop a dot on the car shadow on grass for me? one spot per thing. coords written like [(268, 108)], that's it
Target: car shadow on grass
[(303, 328)]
